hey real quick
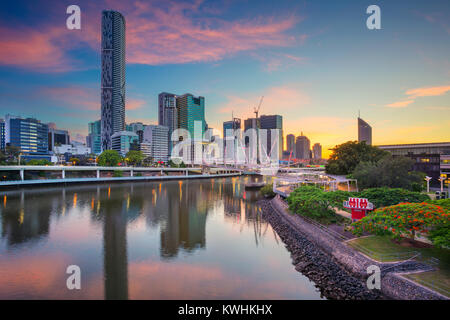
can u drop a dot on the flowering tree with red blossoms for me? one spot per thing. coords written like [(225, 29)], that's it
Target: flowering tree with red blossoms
[(404, 220)]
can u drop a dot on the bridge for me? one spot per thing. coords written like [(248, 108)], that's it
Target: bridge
[(36, 175)]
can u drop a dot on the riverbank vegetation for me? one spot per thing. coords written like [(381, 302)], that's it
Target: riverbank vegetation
[(308, 198), (408, 220), (267, 191), (314, 203), (373, 167)]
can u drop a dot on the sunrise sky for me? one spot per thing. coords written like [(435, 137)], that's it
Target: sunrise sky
[(315, 63)]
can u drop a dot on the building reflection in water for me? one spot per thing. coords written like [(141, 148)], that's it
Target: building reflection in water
[(21, 221), (177, 209)]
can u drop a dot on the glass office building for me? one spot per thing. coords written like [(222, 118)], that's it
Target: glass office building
[(94, 138), (29, 134), (191, 109)]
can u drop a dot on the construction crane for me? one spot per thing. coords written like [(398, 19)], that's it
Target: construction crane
[(256, 109)]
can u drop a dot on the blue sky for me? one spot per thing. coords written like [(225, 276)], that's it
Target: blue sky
[(315, 62)]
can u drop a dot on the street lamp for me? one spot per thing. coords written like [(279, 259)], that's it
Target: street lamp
[(441, 179), (427, 178)]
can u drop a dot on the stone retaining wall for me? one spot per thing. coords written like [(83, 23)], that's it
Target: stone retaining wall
[(350, 261)]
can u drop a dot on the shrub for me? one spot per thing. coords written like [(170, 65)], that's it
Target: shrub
[(444, 203), (382, 197), (440, 236), (117, 174), (312, 202), (404, 219), (267, 191), (40, 162)]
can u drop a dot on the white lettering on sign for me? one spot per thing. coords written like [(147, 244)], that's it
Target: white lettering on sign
[(358, 203)]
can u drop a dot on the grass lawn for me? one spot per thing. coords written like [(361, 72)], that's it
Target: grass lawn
[(437, 280), (382, 248)]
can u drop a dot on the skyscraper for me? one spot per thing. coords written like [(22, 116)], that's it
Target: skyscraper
[(113, 76), (167, 114), (302, 147), (191, 115), (364, 131), (190, 109), (290, 144), (230, 138), (94, 138), (269, 122), (2, 135), (317, 151)]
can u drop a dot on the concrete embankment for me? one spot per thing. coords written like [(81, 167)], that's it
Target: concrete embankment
[(339, 271)]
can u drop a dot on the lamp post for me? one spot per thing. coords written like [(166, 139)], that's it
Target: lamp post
[(427, 178), (441, 179)]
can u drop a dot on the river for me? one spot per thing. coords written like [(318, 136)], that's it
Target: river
[(191, 239)]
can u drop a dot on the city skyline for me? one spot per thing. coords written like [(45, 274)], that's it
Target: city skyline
[(400, 86)]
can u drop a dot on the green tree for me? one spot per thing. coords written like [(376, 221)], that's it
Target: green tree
[(2, 157), (389, 172), (74, 161), (134, 146), (345, 157), (12, 152), (134, 157), (36, 162), (109, 158)]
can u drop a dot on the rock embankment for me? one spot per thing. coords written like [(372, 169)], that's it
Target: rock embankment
[(339, 271)]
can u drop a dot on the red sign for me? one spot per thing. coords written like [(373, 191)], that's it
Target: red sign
[(358, 203), (359, 206)]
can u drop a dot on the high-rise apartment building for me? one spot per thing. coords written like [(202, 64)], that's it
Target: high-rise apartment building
[(29, 134), (302, 147), (317, 151), (113, 76), (94, 138), (364, 131)]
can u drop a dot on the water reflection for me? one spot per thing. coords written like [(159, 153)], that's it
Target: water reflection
[(121, 234)]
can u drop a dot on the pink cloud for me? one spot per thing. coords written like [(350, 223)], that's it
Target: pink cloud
[(133, 104), (158, 32), (276, 101), (420, 92), (428, 91), (33, 49), (84, 98), (400, 104)]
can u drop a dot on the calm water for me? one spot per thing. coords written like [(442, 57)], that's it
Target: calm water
[(200, 239)]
